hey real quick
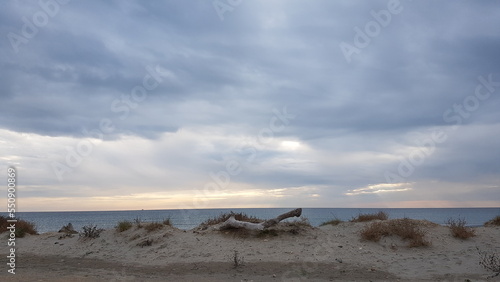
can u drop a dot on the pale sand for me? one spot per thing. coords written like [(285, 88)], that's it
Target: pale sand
[(330, 253)]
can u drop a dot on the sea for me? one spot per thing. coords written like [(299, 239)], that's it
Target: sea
[(191, 218)]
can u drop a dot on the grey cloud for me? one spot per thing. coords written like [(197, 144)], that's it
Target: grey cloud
[(229, 75)]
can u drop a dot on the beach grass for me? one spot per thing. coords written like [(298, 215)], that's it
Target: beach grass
[(333, 222), (493, 222), (153, 226), (124, 226)]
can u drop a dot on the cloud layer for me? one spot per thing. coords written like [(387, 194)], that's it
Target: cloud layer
[(124, 105)]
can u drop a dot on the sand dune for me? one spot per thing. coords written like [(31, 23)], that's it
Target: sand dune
[(329, 253)]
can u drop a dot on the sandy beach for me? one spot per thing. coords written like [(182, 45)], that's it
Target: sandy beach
[(327, 253)]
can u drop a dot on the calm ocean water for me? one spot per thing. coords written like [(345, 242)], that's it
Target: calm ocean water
[(187, 219)]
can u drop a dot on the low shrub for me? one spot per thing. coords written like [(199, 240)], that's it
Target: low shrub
[(23, 227), (90, 232), (494, 222), (405, 228), (459, 229), (370, 216), (123, 226)]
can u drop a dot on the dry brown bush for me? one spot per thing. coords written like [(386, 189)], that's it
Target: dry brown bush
[(459, 229), (23, 227), (370, 216), (407, 229)]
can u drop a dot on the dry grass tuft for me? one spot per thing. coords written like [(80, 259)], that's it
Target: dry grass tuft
[(459, 229), (370, 216), (138, 222), (123, 226), (494, 222), (407, 229), (333, 222), (153, 226)]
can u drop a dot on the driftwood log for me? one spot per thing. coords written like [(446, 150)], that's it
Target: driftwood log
[(233, 223)]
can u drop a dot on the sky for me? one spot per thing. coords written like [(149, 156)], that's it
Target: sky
[(123, 105)]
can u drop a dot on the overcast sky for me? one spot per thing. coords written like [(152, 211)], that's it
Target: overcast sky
[(116, 105)]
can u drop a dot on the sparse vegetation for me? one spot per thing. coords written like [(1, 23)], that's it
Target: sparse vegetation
[(370, 216), (297, 226), (138, 222), (459, 229), (494, 222), (333, 222), (145, 243), (237, 260), (223, 217), (123, 226), (90, 232), (153, 226), (490, 261), (167, 222), (267, 233), (407, 229), (23, 227)]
